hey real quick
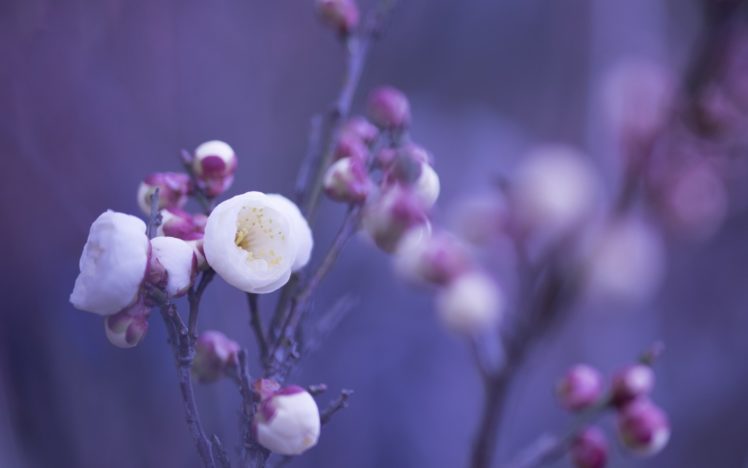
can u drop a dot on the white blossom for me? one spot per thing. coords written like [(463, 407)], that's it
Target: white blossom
[(112, 265), (254, 241), (177, 257), (470, 304), (288, 423)]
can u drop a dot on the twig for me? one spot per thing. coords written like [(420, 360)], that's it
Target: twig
[(311, 158), (194, 297), (256, 322), (317, 389), (154, 219), (340, 403), (223, 458)]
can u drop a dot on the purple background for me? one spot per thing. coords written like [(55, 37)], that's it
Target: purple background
[(97, 93)]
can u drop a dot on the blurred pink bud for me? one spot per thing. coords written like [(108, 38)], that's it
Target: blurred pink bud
[(696, 202), (351, 146), (437, 259), (555, 189), (361, 128), (589, 449), (347, 180), (214, 354), (473, 303), (390, 216), (637, 97), (174, 188), (214, 165), (631, 383), (411, 167), (389, 108), (643, 427), (128, 327), (182, 225), (342, 15), (626, 261), (580, 388)]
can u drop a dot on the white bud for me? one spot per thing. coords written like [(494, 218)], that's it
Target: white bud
[(177, 257), (288, 423), (254, 241), (214, 148), (427, 186), (554, 189), (470, 304), (112, 265)]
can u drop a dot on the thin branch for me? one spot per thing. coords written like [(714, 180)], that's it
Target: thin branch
[(317, 389), (340, 403), (154, 220), (311, 158), (220, 452), (194, 297), (256, 322)]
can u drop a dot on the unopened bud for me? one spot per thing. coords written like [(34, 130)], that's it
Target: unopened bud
[(580, 388), (470, 304), (361, 128), (389, 108), (342, 15), (589, 449), (643, 427), (351, 146), (632, 382), (214, 354), (393, 214), (214, 165), (127, 328), (182, 225), (177, 260), (288, 421), (173, 189), (346, 180), (437, 259)]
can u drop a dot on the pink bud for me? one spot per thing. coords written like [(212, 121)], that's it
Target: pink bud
[(174, 188), (389, 108), (361, 128), (127, 328), (351, 146), (589, 449), (393, 214), (182, 225), (580, 388), (214, 165), (437, 259), (347, 181), (632, 382), (214, 354), (342, 15), (643, 427)]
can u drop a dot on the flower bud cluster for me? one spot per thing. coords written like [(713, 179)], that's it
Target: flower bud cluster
[(642, 426)]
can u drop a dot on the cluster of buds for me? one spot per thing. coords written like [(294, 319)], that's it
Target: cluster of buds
[(642, 426), (287, 420), (347, 179)]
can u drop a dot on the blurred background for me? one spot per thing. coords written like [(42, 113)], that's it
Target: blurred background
[(97, 94)]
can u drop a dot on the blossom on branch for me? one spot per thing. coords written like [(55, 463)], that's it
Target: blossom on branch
[(112, 265), (254, 241), (214, 164), (288, 421), (177, 262)]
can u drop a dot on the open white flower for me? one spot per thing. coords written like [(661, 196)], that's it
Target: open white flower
[(288, 422), (112, 265), (177, 257), (254, 241)]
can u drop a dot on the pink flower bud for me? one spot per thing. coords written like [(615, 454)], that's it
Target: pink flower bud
[(580, 388), (437, 259), (347, 181), (127, 328), (360, 127), (589, 449), (631, 383), (288, 421), (342, 15), (643, 427), (214, 165), (394, 213), (351, 146), (174, 188), (182, 225), (214, 354), (389, 108)]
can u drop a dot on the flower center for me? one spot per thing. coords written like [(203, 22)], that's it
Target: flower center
[(260, 234)]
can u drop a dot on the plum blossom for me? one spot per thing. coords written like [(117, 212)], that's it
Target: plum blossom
[(254, 241), (214, 164), (178, 261), (288, 421), (580, 388), (112, 265), (347, 180)]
